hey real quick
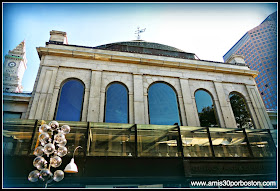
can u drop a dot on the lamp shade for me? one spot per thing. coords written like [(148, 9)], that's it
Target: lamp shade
[(71, 167)]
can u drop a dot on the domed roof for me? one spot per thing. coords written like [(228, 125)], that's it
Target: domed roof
[(144, 47)]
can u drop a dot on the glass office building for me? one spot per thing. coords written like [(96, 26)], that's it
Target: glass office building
[(259, 48)]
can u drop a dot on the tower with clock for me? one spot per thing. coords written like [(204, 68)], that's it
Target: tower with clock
[(14, 67)]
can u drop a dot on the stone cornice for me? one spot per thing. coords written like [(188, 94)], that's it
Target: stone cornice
[(14, 97), (146, 61)]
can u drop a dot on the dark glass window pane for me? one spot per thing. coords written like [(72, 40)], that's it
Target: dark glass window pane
[(163, 106), (205, 108), (116, 110), (70, 102), (240, 111)]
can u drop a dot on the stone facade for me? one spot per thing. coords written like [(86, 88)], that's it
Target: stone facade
[(97, 68), (15, 105)]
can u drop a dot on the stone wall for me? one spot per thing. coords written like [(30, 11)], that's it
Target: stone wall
[(15, 103), (97, 72)]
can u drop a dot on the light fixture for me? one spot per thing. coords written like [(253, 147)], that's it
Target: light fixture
[(72, 167), (53, 146)]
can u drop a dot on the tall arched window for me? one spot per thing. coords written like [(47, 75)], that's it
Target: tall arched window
[(206, 109), (163, 105), (241, 113), (116, 106), (70, 102)]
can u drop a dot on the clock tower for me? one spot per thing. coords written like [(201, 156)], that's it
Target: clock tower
[(13, 69)]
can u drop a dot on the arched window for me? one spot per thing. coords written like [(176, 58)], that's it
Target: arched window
[(241, 113), (206, 109), (116, 106), (163, 105), (70, 101)]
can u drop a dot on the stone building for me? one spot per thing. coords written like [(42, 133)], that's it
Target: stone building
[(146, 115), (138, 64)]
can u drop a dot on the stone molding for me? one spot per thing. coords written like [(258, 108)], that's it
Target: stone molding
[(144, 61)]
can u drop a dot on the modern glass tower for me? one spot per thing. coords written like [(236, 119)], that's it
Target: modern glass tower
[(259, 48)]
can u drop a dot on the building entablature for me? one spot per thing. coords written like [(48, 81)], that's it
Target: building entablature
[(18, 97), (143, 59)]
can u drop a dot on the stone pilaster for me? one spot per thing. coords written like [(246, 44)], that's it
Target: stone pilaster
[(225, 106), (131, 108), (94, 96), (189, 104), (262, 121), (85, 105), (53, 103), (139, 107), (44, 88), (219, 113)]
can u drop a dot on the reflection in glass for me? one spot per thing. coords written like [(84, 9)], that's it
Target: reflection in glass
[(76, 137), (261, 143), (206, 110), (17, 134), (240, 111), (195, 142), (70, 101), (163, 105), (229, 142), (157, 141), (116, 110), (112, 139)]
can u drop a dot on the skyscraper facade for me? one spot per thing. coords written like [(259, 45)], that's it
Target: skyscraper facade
[(259, 48)]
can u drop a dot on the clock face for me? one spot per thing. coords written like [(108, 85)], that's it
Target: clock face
[(12, 64)]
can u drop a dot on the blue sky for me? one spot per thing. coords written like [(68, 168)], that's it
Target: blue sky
[(207, 29)]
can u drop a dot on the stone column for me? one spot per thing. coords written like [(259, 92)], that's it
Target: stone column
[(41, 104), (33, 106), (182, 110), (94, 96), (139, 108), (38, 84), (195, 111), (131, 108), (85, 105), (253, 113), (48, 108), (189, 104), (219, 113), (146, 107), (258, 107), (227, 112), (29, 114), (53, 103)]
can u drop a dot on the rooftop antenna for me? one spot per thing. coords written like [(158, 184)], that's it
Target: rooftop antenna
[(139, 31)]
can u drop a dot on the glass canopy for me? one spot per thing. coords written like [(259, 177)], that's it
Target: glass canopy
[(20, 137)]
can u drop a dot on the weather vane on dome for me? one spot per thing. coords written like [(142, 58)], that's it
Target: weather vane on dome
[(139, 31)]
